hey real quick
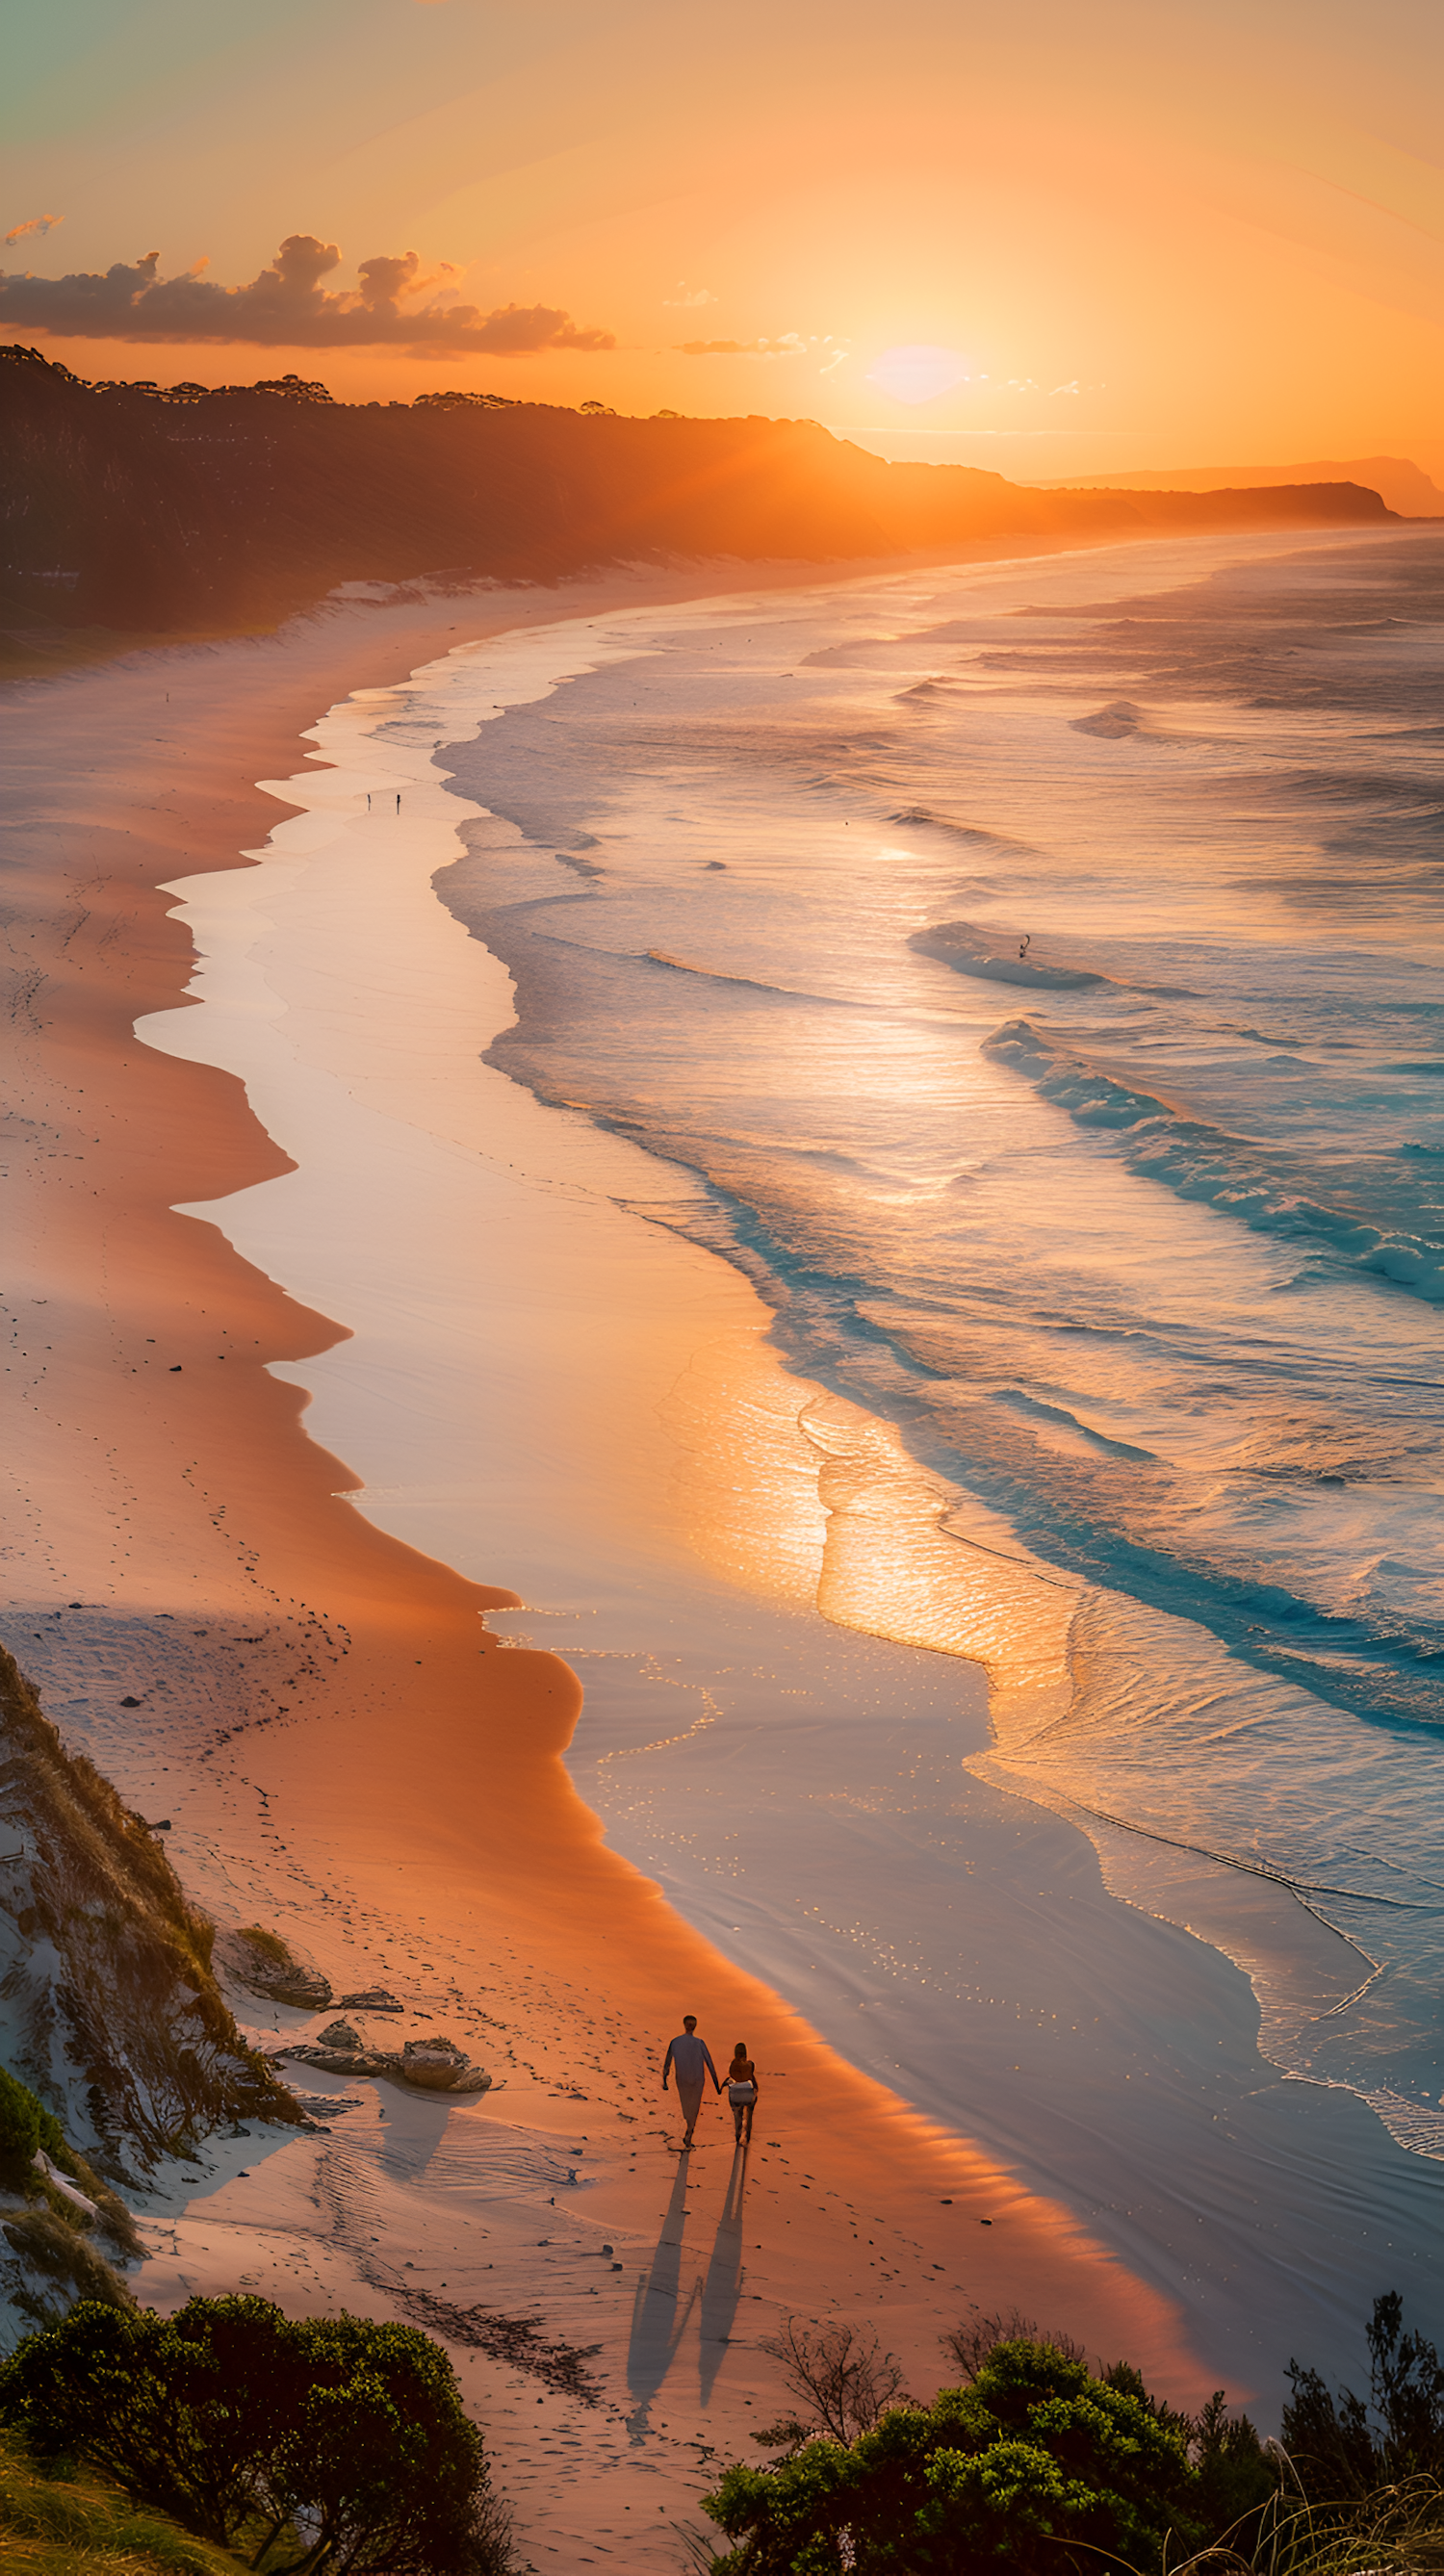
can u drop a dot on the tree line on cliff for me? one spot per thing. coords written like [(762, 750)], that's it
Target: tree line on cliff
[(150, 509)]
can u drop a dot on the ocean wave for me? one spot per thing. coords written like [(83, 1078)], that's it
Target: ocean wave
[(1115, 723), (967, 949), (926, 818), (752, 983), (1223, 1171), (959, 945), (683, 966)]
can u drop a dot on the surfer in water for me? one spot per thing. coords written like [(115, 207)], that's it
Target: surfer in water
[(1025, 943)]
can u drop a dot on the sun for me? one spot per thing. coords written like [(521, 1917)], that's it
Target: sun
[(919, 371)]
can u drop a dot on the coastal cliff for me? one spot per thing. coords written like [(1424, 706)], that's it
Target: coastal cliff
[(187, 510), (110, 2016)]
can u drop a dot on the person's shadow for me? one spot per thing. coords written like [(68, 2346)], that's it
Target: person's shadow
[(723, 2286), (659, 2313)]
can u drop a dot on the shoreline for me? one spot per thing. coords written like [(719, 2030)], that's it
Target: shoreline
[(1307, 2186), (429, 597), (490, 1355), (202, 1495)]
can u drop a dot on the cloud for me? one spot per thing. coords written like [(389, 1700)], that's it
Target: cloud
[(791, 345), (35, 224), (686, 297), (385, 281), (285, 307)]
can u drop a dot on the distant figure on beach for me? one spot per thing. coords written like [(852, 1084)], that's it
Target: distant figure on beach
[(398, 801), (368, 800), (742, 2092), (1024, 944), (691, 2059)]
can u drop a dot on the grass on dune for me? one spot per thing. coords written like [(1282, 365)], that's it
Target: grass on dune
[(1398, 2531), (76, 2525)]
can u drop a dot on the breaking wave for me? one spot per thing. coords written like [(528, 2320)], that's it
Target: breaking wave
[(1225, 1172)]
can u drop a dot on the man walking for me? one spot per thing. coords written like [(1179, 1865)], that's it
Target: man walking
[(691, 2058)]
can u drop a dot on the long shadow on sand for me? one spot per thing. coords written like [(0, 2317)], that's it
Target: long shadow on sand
[(723, 2286), (659, 2312)]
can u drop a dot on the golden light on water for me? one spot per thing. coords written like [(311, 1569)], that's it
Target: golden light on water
[(796, 1494), (745, 1486), (903, 1562)]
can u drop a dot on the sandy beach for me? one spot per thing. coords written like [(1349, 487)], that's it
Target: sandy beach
[(362, 1763), (499, 1620)]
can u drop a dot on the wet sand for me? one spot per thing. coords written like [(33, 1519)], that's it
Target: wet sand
[(358, 1760)]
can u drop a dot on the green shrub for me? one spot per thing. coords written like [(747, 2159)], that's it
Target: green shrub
[(1037, 2452), (1040, 2465), (231, 2415), (1238, 2480), (1351, 2446), (25, 2124)]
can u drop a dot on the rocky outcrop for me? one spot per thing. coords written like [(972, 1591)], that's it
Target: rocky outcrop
[(339, 2034), (431, 2065), (437, 2065), (113, 2014), (265, 1965), (372, 1999)]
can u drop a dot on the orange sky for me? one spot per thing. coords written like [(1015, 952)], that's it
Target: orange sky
[(1146, 235)]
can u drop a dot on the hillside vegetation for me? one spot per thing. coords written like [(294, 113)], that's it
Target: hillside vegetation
[(75, 2520), (117, 2048), (1038, 2464), (183, 510), (112, 2014), (1034, 2462), (343, 2436)]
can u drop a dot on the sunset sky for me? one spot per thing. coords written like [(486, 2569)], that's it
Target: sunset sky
[(1119, 235)]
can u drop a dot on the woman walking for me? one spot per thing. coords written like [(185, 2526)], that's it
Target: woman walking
[(742, 2092)]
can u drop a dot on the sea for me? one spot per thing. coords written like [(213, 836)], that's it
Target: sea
[(1027, 978), (1042, 972)]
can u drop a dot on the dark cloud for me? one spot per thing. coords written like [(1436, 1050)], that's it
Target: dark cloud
[(286, 307), (384, 280)]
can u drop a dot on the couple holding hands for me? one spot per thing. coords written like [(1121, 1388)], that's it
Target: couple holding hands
[(690, 2060)]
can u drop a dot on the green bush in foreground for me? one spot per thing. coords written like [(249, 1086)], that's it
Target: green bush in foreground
[(1039, 2464), (1036, 2452), (244, 2424)]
